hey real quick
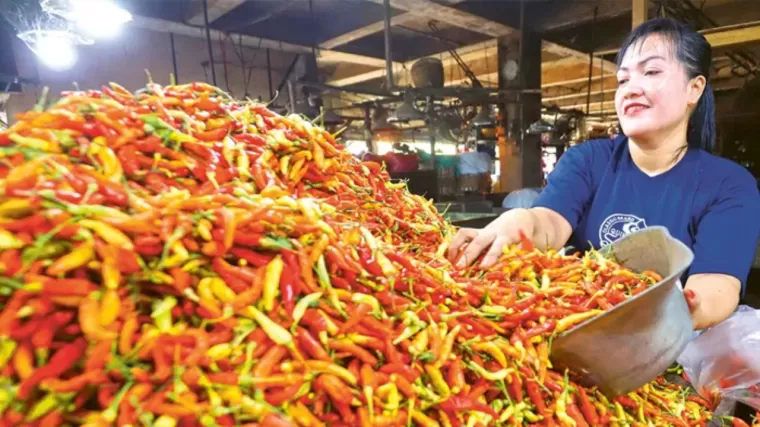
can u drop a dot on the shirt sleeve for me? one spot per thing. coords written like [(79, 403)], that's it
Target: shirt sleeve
[(569, 187), (727, 234)]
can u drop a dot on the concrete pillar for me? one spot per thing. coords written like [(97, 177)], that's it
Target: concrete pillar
[(530, 147)]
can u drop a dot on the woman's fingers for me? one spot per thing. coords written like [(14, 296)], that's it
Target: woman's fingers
[(463, 236), (475, 248), (495, 252)]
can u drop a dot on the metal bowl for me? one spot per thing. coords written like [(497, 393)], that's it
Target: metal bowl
[(631, 344)]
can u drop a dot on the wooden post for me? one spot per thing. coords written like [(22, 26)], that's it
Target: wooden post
[(639, 11)]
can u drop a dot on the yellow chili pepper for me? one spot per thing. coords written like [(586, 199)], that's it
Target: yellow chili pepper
[(561, 409), (9, 241), (221, 291), (491, 376), (422, 419), (110, 306), (204, 229), (219, 351), (108, 233), (566, 322), (419, 343), (272, 282), (7, 348), (111, 164), (284, 163), (15, 208), (204, 289), (438, 381), (109, 269), (448, 344), (80, 256), (275, 332), (296, 169), (492, 350), (318, 249)]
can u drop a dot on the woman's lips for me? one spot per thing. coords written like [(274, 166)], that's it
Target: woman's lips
[(631, 109)]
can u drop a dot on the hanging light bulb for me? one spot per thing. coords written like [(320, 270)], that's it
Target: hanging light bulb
[(483, 118), (406, 112)]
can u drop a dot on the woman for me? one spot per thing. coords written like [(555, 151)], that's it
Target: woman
[(659, 172)]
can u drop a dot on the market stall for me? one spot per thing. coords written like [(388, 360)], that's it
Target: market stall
[(177, 257)]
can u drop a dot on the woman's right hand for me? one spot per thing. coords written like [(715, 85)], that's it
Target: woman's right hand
[(504, 230)]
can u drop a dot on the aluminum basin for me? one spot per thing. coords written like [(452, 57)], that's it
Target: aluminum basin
[(630, 345)]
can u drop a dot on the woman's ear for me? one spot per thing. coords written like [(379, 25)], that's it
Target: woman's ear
[(694, 90)]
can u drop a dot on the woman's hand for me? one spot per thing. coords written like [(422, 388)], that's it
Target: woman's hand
[(711, 298), (502, 231)]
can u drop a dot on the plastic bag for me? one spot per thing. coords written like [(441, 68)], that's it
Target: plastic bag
[(725, 359)]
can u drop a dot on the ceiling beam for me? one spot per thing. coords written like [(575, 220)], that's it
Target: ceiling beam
[(368, 30), (427, 9), (721, 37), (178, 28), (216, 9), (467, 53), (639, 12)]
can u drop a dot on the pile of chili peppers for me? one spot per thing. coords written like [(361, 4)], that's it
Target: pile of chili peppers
[(175, 257)]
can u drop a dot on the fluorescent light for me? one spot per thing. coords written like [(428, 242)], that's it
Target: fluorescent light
[(101, 19), (57, 53), (56, 49)]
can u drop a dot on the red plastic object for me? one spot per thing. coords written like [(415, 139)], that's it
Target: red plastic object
[(401, 163)]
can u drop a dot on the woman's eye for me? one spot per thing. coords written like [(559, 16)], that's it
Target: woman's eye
[(651, 72), (622, 81)]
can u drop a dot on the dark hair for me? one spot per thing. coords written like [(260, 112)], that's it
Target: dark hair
[(694, 52)]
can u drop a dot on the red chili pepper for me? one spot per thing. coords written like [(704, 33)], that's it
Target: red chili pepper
[(213, 135), (541, 329), (587, 408), (311, 345), (738, 422), (369, 263), (575, 414), (335, 388), (456, 404), (514, 387), (406, 371), (349, 347), (62, 360), (254, 258)]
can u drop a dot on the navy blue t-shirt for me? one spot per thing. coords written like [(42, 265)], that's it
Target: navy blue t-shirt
[(709, 203)]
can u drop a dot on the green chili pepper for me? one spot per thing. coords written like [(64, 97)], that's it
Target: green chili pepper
[(47, 404), (162, 313), (300, 308)]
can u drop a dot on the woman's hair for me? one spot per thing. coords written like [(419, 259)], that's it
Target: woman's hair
[(693, 51)]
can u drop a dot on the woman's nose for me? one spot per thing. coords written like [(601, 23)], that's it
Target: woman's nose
[(631, 89)]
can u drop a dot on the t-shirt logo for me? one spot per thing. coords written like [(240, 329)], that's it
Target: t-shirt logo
[(617, 226)]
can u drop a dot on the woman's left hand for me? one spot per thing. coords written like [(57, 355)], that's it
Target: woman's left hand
[(711, 298), (692, 299)]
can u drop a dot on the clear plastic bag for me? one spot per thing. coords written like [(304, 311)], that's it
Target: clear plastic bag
[(725, 359)]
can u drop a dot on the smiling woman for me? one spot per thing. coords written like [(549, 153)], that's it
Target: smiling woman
[(659, 172)]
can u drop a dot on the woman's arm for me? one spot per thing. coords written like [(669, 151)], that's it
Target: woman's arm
[(711, 298), (724, 247), (552, 219), (545, 227)]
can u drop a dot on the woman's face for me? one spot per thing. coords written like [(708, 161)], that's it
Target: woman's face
[(654, 94)]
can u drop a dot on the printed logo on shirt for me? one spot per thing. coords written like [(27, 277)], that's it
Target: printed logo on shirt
[(617, 226)]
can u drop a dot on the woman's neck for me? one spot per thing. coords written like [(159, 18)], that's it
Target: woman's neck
[(658, 154)]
